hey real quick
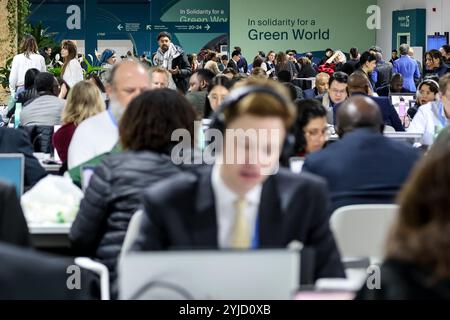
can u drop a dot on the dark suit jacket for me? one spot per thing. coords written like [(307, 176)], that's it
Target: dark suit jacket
[(310, 93), (16, 141), (363, 167), (26, 274), (13, 227), (390, 115), (232, 64), (180, 214)]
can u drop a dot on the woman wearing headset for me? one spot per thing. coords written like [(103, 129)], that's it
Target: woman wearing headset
[(428, 91)]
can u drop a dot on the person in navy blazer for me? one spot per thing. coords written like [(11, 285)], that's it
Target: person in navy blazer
[(17, 141), (359, 85), (193, 210), (363, 166), (408, 68)]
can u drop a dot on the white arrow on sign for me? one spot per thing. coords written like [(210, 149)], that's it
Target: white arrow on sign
[(149, 27), (120, 27), (207, 27)]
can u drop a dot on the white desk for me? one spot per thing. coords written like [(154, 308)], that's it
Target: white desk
[(50, 235)]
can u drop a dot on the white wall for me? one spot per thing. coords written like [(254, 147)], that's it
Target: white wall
[(436, 21)]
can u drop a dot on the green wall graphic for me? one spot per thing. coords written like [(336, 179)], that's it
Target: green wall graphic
[(303, 25)]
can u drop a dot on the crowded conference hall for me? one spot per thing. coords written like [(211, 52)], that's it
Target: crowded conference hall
[(199, 150)]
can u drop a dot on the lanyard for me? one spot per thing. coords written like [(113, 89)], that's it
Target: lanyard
[(255, 239), (441, 114), (113, 119)]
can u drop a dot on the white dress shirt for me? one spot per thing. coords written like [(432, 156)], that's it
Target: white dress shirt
[(21, 64), (225, 209), (428, 120), (73, 73)]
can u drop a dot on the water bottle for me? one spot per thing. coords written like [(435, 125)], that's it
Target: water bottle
[(402, 108), (17, 114)]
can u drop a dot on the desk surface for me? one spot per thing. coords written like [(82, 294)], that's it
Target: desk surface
[(49, 228)]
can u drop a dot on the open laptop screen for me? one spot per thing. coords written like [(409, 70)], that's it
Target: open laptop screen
[(12, 170)]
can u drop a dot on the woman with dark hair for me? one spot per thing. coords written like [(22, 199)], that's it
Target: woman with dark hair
[(311, 130), (71, 70), (113, 194), (417, 264), (435, 65), (307, 71), (270, 63), (283, 63), (218, 89), (428, 91), (27, 59), (30, 92)]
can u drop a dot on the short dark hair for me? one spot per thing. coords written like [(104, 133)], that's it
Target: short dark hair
[(235, 53), (164, 34), (45, 82), (30, 76), (446, 48), (338, 76), (204, 74), (284, 76), (367, 57), (151, 118), (354, 53), (307, 110), (224, 57)]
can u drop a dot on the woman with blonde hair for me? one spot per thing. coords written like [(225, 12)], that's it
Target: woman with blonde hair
[(71, 71), (84, 101)]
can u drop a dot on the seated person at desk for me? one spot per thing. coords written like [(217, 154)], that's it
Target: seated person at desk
[(427, 91), (47, 108), (434, 116), (364, 166), (84, 101), (114, 189), (336, 94), (358, 85), (310, 129), (17, 141), (396, 86), (321, 87), (243, 206), (416, 265)]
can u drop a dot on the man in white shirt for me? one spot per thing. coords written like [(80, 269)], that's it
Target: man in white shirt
[(432, 117), (99, 134), (244, 202)]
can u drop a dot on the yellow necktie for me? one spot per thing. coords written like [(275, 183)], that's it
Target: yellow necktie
[(241, 229)]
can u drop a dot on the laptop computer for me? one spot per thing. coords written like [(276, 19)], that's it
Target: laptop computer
[(12, 168), (408, 98), (204, 274)]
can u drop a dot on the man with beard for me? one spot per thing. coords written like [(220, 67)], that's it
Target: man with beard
[(172, 58), (99, 134)]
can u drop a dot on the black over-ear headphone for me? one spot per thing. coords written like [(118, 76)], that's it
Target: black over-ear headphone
[(236, 95)]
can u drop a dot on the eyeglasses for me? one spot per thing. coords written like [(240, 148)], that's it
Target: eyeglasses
[(317, 133), (335, 91)]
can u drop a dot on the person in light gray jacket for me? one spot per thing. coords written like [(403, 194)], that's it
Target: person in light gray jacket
[(47, 108)]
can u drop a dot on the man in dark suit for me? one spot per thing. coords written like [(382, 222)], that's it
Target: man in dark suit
[(242, 206), (16, 141), (364, 166), (359, 85), (235, 57), (13, 227)]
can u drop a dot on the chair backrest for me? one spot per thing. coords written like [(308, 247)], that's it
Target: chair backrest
[(132, 232), (361, 230)]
